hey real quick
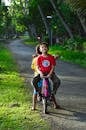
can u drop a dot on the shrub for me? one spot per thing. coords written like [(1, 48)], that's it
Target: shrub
[(74, 44)]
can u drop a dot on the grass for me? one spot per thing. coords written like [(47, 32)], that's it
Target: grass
[(16, 98), (75, 57), (29, 41)]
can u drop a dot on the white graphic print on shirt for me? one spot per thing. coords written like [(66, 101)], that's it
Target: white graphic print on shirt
[(46, 63)]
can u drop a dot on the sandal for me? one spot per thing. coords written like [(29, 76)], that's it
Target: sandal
[(57, 107), (33, 109)]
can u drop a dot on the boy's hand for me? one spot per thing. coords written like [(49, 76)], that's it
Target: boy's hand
[(48, 76), (56, 57), (41, 75)]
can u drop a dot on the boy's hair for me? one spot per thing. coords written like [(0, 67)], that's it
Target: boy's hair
[(45, 43), (38, 49), (38, 52)]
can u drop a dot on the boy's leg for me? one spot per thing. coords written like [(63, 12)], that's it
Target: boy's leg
[(55, 103), (39, 97), (56, 82), (35, 81), (34, 100)]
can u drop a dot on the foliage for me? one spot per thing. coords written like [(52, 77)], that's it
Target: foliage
[(2, 21), (5, 22), (74, 44), (77, 4), (24, 16), (58, 28), (18, 17), (84, 46)]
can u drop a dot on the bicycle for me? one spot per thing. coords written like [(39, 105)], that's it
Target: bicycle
[(46, 94)]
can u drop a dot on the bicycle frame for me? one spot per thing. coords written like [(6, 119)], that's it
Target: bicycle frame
[(46, 88), (46, 94)]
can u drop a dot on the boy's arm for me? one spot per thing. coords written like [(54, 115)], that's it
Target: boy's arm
[(51, 71), (33, 65), (41, 74)]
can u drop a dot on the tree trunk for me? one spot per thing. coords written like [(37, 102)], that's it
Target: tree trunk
[(33, 30), (62, 20), (45, 22), (82, 21)]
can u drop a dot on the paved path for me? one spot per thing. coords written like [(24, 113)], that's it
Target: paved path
[(71, 94)]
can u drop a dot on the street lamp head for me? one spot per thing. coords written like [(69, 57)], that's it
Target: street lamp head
[(6, 2), (49, 17)]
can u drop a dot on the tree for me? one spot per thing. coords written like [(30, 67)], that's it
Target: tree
[(79, 7), (58, 12)]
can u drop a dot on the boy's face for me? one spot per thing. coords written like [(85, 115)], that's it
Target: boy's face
[(43, 48)]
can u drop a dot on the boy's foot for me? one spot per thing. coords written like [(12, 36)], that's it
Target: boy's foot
[(57, 107), (45, 112), (39, 98), (54, 91)]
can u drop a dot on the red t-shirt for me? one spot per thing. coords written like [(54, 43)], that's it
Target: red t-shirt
[(45, 63)]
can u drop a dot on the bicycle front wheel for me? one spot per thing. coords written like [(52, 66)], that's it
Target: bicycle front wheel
[(44, 100)]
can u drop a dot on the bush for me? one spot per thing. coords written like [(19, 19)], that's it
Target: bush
[(74, 44)]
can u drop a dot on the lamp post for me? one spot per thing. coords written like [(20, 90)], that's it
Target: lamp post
[(50, 30), (6, 4)]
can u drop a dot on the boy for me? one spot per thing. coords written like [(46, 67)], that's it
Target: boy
[(45, 67), (34, 68)]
